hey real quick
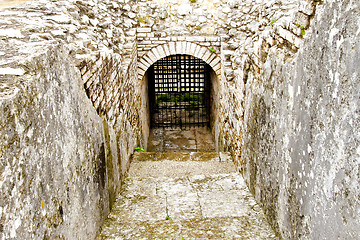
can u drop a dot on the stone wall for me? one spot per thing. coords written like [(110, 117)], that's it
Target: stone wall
[(53, 157), (252, 30), (63, 156), (111, 82), (293, 124)]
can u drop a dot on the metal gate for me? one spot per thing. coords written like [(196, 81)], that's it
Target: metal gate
[(179, 92)]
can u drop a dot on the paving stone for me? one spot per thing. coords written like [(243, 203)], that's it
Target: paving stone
[(172, 140), (204, 228), (200, 205), (184, 168)]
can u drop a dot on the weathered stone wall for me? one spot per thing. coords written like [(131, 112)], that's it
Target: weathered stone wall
[(293, 123), (63, 157), (111, 83), (53, 158), (252, 30)]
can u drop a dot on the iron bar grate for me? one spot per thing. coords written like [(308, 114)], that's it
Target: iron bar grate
[(179, 92)]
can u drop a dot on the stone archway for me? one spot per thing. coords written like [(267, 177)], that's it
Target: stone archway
[(179, 48), (212, 60), (179, 92)]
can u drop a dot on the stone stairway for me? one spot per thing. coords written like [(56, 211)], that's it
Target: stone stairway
[(185, 196)]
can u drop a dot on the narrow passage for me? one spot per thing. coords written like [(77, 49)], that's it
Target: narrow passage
[(185, 195)]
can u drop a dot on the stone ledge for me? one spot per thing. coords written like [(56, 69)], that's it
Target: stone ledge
[(12, 71)]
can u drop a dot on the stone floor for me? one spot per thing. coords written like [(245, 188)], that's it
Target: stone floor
[(185, 196), (177, 140)]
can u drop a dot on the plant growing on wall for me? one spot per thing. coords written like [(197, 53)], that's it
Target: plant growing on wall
[(212, 49), (302, 29), (143, 19), (272, 22), (139, 149)]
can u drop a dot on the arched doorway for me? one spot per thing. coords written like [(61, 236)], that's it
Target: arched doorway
[(179, 92)]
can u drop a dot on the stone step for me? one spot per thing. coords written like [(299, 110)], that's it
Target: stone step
[(179, 140), (196, 228), (185, 196), (178, 164)]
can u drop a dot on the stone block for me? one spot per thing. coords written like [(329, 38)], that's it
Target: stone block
[(88, 83), (164, 39), (302, 19), (172, 48), (199, 38), (184, 47), (286, 34), (161, 51), (212, 57), (197, 51), (158, 42), (298, 42), (192, 49), (143, 30), (148, 59), (11, 71), (146, 49), (215, 62), (174, 39), (178, 47), (190, 38), (307, 7), (83, 70), (212, 39), (86, 77), (206, 56), (142, 66), (156, 53), (216, 67), (11, 33), (152, 56), (131, 32), (181, 38), (141, 35), (228, 53), (145, 62), (202, 52), (167, 49)]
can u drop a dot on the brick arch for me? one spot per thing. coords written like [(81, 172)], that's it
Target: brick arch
[(173, 48)]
